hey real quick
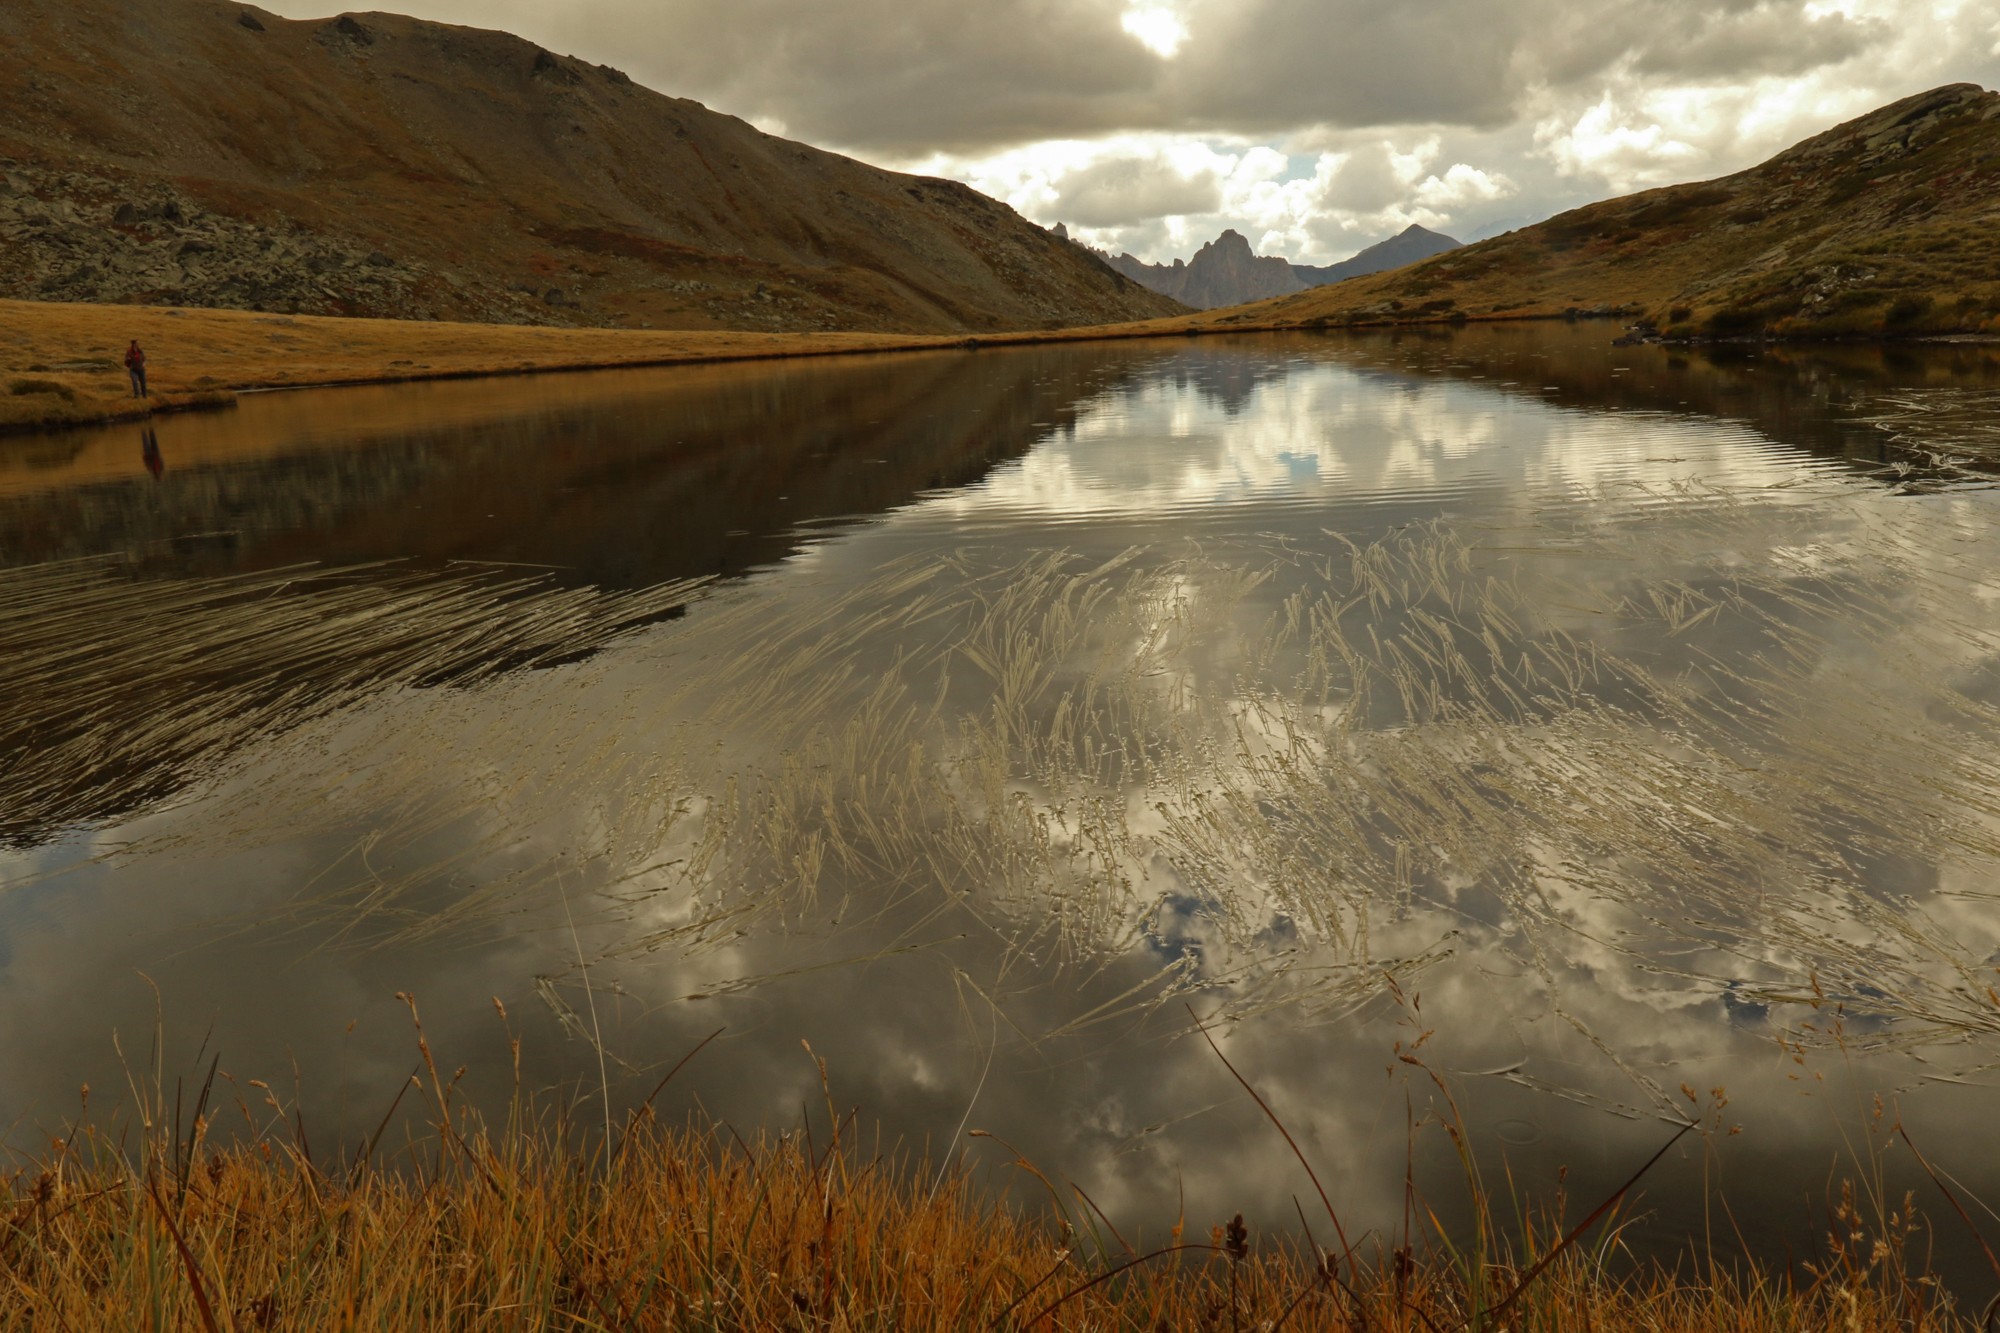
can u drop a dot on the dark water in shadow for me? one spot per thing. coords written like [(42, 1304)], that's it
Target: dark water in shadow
[(1598, 721)]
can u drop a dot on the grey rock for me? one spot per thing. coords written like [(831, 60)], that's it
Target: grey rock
[(1224, 272), (548, 66), (1413, 243)]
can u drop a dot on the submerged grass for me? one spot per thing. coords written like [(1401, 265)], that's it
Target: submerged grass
[(231, 1220)]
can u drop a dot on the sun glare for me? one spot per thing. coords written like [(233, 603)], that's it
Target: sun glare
[(1157, 28)]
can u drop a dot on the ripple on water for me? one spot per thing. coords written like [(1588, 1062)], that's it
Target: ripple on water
[(1076, 687)]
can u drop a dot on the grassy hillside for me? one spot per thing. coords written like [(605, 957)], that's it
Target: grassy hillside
[(198, 153), (1886, 225)]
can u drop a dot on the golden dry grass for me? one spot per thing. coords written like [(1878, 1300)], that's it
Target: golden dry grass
[(662, 1228), (69, 357)]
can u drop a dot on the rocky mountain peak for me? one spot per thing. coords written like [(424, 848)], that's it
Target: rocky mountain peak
[(1407, 246), (1225, 271)]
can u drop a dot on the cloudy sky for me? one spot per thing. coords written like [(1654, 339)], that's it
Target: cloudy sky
[(1312, 126)]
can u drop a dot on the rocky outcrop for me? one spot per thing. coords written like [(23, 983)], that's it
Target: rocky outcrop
[(73, 236), (1405, 247), (1224, 272)]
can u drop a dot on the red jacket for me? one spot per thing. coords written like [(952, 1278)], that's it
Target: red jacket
[(134, 357)]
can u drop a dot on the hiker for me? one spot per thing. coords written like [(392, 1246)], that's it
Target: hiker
[(135, 362)]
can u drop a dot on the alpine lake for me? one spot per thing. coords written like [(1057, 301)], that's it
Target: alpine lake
[(1488, 732)]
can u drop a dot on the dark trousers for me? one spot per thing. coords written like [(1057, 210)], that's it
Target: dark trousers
[(138, 381)]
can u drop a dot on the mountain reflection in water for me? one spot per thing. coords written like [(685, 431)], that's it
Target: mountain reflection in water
[(973, 716)]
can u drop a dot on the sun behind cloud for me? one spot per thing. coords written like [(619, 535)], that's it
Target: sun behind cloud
[(1157, 27)]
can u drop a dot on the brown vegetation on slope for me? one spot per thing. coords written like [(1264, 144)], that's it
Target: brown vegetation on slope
[(1885, 225), (194, 152)]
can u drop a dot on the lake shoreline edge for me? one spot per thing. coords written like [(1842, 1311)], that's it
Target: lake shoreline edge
[(664, 1226), (46, 394)]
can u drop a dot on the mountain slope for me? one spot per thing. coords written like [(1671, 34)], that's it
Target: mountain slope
[(1405, 247), (1889, 223), (1223, 272), (197, 152)]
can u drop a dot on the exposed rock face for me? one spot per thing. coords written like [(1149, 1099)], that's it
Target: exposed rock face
[(69, 236), (199, 152), (1406, 247), (1223, 272)]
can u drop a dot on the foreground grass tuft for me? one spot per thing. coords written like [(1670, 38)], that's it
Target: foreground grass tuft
[(695, 1228), (678, 1231)]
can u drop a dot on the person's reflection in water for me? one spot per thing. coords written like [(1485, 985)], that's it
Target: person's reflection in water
[(149, 445)]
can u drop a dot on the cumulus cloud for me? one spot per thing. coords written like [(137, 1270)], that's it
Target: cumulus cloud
[(1136, 119), (1617, 143), (1121, 191), (1162, 195)]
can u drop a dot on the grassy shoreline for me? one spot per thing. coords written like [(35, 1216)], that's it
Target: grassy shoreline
[(695, 1228), (211, 1208), (60, 364)]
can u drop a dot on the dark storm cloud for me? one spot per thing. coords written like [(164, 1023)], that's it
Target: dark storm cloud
[(1270, 64), (895, 76), (916, 76), (1767, 40), (875, 73)]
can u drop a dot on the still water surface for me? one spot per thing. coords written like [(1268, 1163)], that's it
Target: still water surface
[(1609, 721)]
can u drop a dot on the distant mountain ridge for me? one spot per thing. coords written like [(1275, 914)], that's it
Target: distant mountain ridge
[(198, 152), (1405, 247), (1888, 224), (1223, 272), (1227, 272)]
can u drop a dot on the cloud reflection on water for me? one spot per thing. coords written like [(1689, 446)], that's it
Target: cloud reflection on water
[(1267, 676)]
